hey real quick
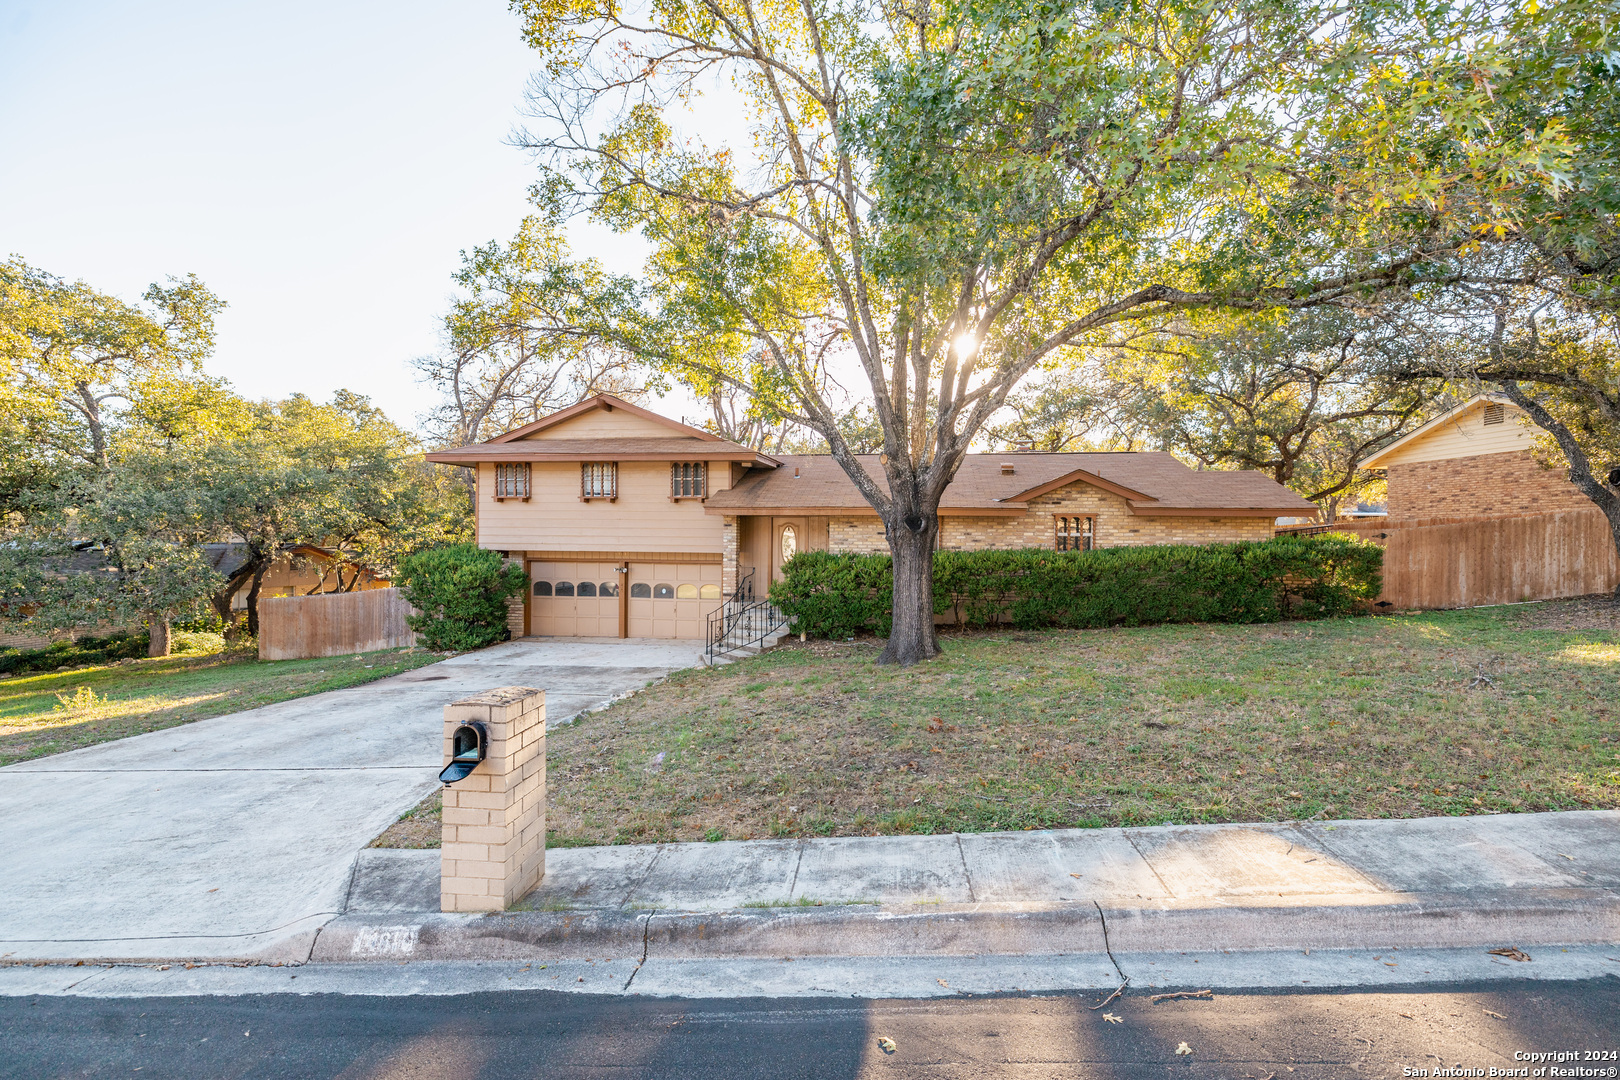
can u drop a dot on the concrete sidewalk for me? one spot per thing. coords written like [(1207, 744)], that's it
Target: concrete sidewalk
[(1430, 883), (235, 837)]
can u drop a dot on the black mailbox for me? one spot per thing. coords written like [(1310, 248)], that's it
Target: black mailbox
[(467, 746)]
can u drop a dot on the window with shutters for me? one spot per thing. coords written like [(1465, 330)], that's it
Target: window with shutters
[(687, 480), (1076, 533), (599, 480), (512, 481), (1495, 413)]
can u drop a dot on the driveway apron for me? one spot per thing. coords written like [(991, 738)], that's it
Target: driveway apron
[(235, 837)]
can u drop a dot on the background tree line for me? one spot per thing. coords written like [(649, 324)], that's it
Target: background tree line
[(120, 457), (1269, 234)]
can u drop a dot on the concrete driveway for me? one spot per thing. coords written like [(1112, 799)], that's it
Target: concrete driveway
[(236, 837)]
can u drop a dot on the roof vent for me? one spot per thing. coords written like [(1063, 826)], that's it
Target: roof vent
[(795, 472), (1006, 468), (1495, 413)]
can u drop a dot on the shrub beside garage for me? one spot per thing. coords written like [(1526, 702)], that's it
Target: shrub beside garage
[(461, 592), (1287, 577)]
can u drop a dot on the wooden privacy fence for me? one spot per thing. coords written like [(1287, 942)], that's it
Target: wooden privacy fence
[(1465, 562), (332, 624)]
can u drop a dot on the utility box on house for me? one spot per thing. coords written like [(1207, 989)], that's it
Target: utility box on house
[(494, 847)]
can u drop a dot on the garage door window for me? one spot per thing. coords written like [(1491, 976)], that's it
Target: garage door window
[(565, 588), (608, 588), (663, 592), (641, 591), (586, 588), (542, 588), (710, 592), (686, 591)]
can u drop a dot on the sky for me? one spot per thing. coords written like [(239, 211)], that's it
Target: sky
[(319, 165)]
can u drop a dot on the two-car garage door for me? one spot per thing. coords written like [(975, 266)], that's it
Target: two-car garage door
[(583, 599)]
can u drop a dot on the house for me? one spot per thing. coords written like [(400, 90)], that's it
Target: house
[(631, 524), (1474, 461), (302, 570)]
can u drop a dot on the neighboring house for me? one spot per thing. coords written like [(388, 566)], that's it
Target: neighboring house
[(297, 572), (1474, 460), (632, 524)]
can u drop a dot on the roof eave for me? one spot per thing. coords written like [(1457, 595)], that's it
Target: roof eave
[(472, 455), (1155, 510), (737, 510)]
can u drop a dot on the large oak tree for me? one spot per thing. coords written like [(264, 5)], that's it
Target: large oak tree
[(940, 196)]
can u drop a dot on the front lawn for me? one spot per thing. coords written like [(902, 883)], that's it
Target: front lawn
[(1368, 717), (50, 712)]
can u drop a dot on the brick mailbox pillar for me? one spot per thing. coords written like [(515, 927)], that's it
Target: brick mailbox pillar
[(494, 847)]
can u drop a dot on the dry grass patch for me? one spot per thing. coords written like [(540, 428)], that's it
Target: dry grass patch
[(51, 712), (1498, 709)]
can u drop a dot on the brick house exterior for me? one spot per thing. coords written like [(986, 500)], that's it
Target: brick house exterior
[(1475, 460), (631, 523)]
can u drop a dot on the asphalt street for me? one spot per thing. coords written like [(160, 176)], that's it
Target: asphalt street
[(534, 1034)]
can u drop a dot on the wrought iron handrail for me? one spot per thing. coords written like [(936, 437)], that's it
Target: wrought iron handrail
[(741, 621)]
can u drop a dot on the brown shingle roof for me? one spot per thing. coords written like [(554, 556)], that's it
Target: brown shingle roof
[(674, 448), (1151, 482)]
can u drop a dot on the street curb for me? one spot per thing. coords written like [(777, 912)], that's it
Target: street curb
[(1549, 917)]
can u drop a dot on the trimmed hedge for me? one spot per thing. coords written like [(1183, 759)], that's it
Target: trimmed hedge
[(87, 650), (1244, 582)]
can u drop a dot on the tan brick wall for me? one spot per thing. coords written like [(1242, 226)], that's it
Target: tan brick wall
[(1116, 526), (515, 606), (494, 832), (856, 535), (728, 556), (1480, 485)]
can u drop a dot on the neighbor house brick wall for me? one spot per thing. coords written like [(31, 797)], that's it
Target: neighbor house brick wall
[(1485, 484), (1116, 526)]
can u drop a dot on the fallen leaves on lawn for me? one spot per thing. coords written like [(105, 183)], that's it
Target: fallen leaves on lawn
[(1112, 1019), (1509, 952), (886, 1044), (1183, 1049)]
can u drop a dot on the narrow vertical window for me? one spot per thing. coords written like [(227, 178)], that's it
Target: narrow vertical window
[(790, 542), (599, 480), (512, 480), (1076, 533), (687, 480)]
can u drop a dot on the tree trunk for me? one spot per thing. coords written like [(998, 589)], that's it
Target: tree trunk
[(253, 600), (158, 641), (911, 542)]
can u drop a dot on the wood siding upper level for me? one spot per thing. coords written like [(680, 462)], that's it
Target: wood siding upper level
[(643, 518), (602, 424), (1466, 435)]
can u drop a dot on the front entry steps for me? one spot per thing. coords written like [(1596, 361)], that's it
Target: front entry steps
[(725, 654)]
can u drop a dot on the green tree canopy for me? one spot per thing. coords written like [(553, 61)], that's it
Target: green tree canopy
[(943, 197)]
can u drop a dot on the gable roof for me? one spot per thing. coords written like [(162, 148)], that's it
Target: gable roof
[(1152, 483), (1427, 430), (684, 443), (607, 403)]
